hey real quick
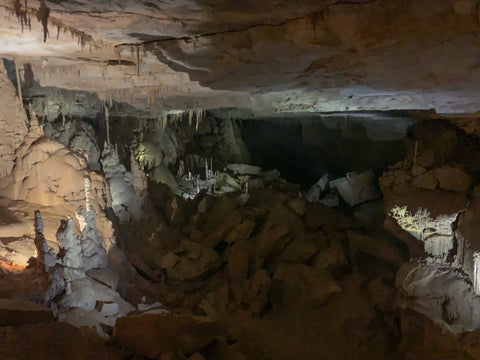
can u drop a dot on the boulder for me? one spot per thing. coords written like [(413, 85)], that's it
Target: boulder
[(255, 291), (255, 184), (237, 264), (382, 296), (269, 176), (244, 169), (269, 237), (298, 205), (299, 250), (241, 232), (187, 268), (426, 159), (18, 312), (54, 341), (425, 181), (453, 179), (319, 216), (332, 257), (356, 188), (151, 334), (418, 170), (394, 177), (225, 224), (375, 247), (305, 283), (315, 193)]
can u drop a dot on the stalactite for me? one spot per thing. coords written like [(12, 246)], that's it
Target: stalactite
[(107, 125), (138, 61), (22, 14), (42, 16)]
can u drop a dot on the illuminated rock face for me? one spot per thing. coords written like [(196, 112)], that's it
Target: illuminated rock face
[(437, 234), (93, 254), (71, 288), (441, 295), (126, 201), (269, 56), (13, 123)]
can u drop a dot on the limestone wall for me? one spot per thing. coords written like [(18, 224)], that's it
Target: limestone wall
[(13, 123)]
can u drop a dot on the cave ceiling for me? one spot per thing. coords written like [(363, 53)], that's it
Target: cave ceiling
[(270, 56)]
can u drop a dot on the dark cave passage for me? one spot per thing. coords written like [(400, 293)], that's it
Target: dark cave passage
[(304, 149)]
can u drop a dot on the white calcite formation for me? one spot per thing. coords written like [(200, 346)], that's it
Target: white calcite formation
[(126, 199), (140, 181), (73, 292), (442, 294), (93, 253), (233, 178), (476, 272), (78, 136), (437, 234), (45, 254), (356, 188), (72, 253), (440, 286)]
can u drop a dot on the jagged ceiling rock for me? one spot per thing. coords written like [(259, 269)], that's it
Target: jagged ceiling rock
[(270, 56)]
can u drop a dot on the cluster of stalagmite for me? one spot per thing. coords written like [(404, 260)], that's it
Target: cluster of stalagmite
[(73, 285)]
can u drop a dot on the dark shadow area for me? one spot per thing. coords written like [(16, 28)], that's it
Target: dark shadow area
[(304, 149)]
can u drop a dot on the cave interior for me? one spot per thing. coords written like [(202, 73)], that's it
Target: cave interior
[(215, 180)]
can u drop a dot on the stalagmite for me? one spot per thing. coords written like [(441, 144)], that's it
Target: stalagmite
[(107, 124), (476, 272), (87, 185), (70, 243), (72, 259), (19, 83), (45, 255), (206, 169)]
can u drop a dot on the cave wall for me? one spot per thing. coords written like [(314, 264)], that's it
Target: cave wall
[(13, 123)]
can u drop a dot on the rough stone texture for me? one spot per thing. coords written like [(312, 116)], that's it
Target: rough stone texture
[(425, 181), (55, 341), (78, 136), (270, 56), (13, 123), (151, 334), (16, 313), (453, 179), (426, 159), (53, 178), (126, 201)]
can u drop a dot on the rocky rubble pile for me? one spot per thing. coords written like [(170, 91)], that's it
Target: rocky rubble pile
[(281, 277)]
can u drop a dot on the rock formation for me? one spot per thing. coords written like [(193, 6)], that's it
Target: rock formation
[(13, 124)]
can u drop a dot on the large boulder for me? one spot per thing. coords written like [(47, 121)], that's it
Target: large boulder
[(18, 312), (152, 333), (53, 341), (453, 179), (425, 181)]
